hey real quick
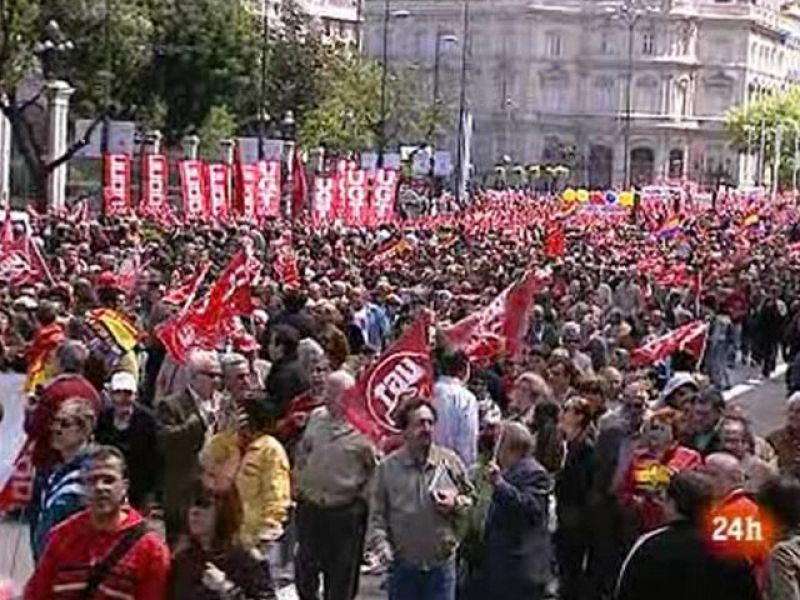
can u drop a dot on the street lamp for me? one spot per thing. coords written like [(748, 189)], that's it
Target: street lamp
[(48, 49), (441, 38), (387, 15), (462, 109), (629, 12), (262, 92)]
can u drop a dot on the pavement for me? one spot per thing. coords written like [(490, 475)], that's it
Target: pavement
[(761, 400)]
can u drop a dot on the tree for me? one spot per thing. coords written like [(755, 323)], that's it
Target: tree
[(218, 125), (348, 117), (23, 23), (768, 114)]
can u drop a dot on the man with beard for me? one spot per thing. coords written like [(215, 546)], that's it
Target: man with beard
[(106, 550), (421, 491)]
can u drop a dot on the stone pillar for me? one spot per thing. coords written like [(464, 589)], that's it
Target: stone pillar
[(5, 157), (191, 144), (226, 151), (317, 159), (58, 95), (152, 142)]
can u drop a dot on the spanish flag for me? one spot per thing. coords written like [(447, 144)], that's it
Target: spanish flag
[(670, 227), (39, 353), (114, 334)]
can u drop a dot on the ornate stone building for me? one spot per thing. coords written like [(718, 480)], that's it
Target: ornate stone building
[(548, 78), (338, 20)]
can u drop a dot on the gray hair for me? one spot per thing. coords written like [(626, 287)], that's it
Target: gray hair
[(793, 401), (232, 360), (199, 359), (518, 437), (308, 352)]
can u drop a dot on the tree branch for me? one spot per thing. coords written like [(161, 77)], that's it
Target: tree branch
[(76, 146), (31, 101)]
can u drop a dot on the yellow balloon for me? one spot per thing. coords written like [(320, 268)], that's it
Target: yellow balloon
[(569, 195), (583, 195), (626, 198)]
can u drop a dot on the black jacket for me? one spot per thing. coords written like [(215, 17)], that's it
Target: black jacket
[(285, 381), (517, 540), (573, 484), (139, 444), (674, 562)]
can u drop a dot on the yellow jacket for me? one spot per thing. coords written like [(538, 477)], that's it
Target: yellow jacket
[(262, 477), (264, 484)]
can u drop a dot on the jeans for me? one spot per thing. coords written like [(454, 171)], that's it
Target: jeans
[(410, 582)]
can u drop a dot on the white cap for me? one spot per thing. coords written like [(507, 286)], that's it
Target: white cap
[(122, 381)]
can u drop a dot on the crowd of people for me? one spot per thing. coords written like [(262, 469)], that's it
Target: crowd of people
[(573, 469)]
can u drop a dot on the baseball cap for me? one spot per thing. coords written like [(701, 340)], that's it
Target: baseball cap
[(122, 382)]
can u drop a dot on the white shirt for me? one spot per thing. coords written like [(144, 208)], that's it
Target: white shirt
[(457, 424)]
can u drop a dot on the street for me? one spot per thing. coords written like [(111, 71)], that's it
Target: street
[(761, 401)]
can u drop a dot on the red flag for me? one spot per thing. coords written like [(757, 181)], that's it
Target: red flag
[(117, 192), (16, 491), (555, 245), (297, 413), (286, 261), (299, 186), (689, 338), (193, 187), (404, 371), (501, 326), (206, 323), (186, 291), (390, 251)]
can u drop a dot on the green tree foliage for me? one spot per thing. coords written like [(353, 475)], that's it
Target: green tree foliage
[(219, 124), (770, 113), (348, 117)]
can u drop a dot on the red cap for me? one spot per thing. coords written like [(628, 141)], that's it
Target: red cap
[(107, 279)]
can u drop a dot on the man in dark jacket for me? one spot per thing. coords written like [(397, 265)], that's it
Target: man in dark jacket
[(518, 554), (296, 315), (286, 378), (676, 562), (129, 428)]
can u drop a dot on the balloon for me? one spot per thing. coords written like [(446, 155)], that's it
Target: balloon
[(569, 195), (583, 195), (596, 197), (611, 197), (626, 198)]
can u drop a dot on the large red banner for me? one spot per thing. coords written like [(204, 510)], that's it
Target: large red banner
[(117, 191), (193, 187), (155, 185), (324, 201), (384, 192), (268, 195), (356, 197), (218, 190)]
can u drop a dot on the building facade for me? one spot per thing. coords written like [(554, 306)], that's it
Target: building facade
[(548, 80), (338, 20)]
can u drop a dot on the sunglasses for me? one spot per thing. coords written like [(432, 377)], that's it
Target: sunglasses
[(212, 374), (64, 423)]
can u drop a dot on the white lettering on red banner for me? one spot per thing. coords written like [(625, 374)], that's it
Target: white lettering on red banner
[(323, 208), (195, 205), (384, 192), (117, 192), (249, 189), (155, 184), (218, 186), (356, 211), (268, 202)]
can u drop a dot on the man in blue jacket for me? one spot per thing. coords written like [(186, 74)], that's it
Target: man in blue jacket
[(517, 539)]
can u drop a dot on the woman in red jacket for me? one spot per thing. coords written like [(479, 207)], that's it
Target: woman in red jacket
[(655, 461)]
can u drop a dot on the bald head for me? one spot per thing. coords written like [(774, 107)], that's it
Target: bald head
[(726, 471)]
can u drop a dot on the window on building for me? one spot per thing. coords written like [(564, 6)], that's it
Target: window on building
[(645, 99), (553, 92), (604, 95), (552, 44), (606, 44), (649, 42)]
